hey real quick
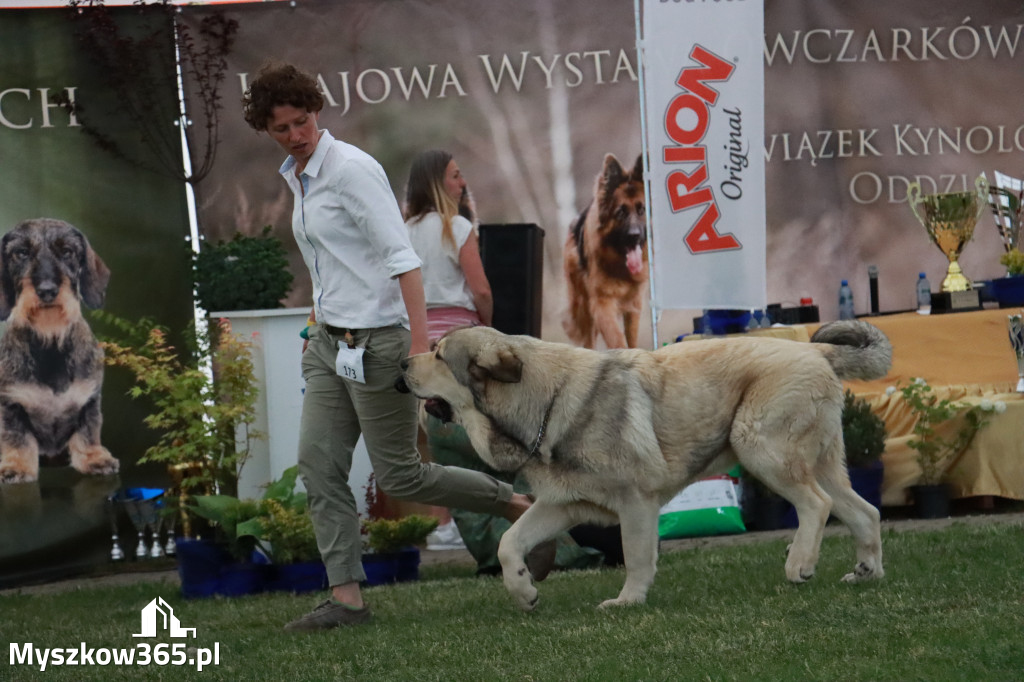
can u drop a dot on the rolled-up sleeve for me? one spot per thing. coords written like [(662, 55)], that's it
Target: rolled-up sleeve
[(366, 193)]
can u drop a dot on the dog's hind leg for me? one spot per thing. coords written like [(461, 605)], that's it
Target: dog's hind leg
[(812, 503), (639, 522), (812, 506), (863, 520), (539, 523)]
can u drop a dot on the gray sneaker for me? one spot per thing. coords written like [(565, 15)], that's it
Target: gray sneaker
[(329, 614)]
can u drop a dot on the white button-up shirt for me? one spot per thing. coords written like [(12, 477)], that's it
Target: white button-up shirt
[(351, 235)]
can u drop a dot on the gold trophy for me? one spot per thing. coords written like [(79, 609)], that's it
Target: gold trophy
[(949, 219)]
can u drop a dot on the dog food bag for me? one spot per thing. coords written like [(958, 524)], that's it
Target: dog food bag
[(708, 507)]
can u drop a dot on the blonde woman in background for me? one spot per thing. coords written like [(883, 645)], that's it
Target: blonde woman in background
[(439, 216)]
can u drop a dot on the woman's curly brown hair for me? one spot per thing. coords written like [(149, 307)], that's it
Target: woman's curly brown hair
[(279, 84)]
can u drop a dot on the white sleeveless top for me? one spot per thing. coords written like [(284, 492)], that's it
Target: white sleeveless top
[(444, 283)]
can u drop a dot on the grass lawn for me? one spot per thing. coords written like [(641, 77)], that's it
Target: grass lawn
[(951, 607)]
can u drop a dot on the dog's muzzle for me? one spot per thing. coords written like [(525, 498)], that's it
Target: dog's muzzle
[(436, 407)]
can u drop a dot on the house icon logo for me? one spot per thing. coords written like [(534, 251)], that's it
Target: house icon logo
[(159, 614)]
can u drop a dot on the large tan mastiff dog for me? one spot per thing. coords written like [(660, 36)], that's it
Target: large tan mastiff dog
[(609, 437)]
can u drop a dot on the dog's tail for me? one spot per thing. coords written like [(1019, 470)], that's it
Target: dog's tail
[(855, 349)]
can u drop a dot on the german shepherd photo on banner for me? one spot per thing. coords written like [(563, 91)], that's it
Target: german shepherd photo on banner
[(605, 260)]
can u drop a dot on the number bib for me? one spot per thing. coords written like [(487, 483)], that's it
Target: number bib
[(349, 364)]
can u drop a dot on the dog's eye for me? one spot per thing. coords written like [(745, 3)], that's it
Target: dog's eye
[(19, 253), (68, 254)]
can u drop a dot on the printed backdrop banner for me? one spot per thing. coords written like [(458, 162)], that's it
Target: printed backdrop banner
[(134, 219), (704, 110), (860, 99)]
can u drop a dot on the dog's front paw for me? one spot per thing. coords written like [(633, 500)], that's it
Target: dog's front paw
[(864, 571), (526, 598), (620, 601), (521, 588), (11, 474), (95, 461)]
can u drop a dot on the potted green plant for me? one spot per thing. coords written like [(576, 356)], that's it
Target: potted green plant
[(393, 544), (1009, 290), (864, 441), (935, 451), (203, 402), (246, 273), (279, 525)]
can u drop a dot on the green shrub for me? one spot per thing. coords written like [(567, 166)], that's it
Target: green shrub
[(246, 273), (863, 431), (390, 535)]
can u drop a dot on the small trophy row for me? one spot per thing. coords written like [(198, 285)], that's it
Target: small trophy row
[(150, 523)]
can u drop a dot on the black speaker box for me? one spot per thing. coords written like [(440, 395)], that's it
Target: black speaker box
[(513, 258)]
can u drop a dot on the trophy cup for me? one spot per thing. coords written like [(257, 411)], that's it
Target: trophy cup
[(136, 512), (1005, 199), (1006, 211), (116, 553), (170, 549), (1015, 323), (155, 522), (949, 220)]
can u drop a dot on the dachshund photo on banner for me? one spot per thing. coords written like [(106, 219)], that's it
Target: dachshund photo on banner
[(51, 366)]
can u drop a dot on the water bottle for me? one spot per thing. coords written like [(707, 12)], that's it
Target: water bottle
[(845, 302), (924, 294)]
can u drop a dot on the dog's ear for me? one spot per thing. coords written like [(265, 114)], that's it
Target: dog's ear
[(92, 283), (637, 174), (612, 176), (7, 293), (499, 364)]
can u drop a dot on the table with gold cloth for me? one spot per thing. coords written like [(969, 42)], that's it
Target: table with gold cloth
[(963, 356)]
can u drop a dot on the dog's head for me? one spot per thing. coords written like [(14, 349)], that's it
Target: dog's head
[(46, 268), (622, 216), (455, 375)]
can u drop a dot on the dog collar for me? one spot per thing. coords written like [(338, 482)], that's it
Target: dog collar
[(543, 427)]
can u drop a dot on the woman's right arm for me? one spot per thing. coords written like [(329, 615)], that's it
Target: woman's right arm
[(473, 269)]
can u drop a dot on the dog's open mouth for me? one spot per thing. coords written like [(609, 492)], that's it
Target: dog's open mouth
[(437, 407)]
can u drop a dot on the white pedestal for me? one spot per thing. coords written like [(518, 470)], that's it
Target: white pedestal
[(277, 360)]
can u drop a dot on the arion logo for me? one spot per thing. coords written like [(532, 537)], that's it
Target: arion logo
[(158, 614)]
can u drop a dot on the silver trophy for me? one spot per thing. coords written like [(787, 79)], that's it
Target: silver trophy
[(116, 553), (169, 520), (1005, 199), (155, 522), (134, 509), (143, 514), (1015, 324)]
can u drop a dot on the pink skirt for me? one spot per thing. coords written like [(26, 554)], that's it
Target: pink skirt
[(442, 320)]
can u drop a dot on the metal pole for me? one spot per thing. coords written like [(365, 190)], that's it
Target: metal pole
[(647, 171)]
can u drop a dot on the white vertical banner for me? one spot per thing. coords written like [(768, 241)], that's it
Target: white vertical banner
[(703, 96)]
